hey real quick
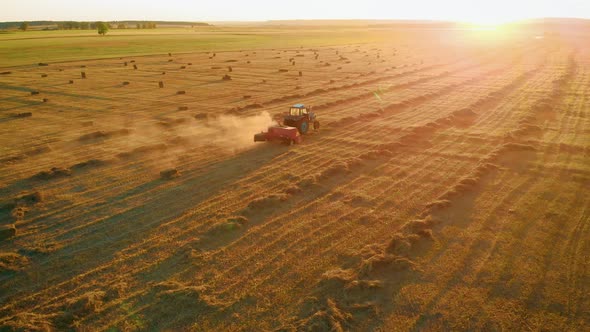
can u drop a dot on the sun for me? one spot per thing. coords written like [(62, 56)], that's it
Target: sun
[(486, 22)]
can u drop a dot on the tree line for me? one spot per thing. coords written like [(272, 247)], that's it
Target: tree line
[(86, 25), (75, 25)]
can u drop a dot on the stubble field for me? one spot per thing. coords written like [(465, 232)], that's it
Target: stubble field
[(447, 189)]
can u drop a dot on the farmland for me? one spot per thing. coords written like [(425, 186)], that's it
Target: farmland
[(447, 189)]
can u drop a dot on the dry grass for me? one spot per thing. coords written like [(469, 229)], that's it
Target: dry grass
[(446, 190)]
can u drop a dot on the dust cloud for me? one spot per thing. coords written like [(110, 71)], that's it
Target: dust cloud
[(176, 139)]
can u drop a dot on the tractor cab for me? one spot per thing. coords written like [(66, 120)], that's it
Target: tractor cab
[(301, 117), (298, 110)]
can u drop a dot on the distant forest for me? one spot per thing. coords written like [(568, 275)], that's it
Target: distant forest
[(85, 25)]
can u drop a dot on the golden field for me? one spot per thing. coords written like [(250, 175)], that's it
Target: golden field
[(447, 189)]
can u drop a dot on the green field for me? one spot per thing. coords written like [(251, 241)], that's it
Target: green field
[(31, 47)]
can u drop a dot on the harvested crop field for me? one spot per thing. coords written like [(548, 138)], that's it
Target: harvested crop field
[(447, 189)]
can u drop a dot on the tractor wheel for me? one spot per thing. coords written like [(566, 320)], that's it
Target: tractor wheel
[(303, 127), (316, 125)]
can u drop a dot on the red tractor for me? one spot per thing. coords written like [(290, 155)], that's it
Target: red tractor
[(284, 134)]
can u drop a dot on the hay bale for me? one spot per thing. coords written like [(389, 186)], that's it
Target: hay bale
[(170, 60), (182, 67), (29, 198), (135, 67), (87, 123), (181, 92), (23, 115), (83, 74), (161, 84), (126, 83), (163, 73), (182, 108), (190, 63), (126, 63), (71, 81), (42, 64), (7, 231), (34, 93), (55, 172), (300, 73), (169, 54), (283, 70), (6, 73), (169, 174), (226, 78), (45, 100), (43, 75), (201, 116), (230, 69)]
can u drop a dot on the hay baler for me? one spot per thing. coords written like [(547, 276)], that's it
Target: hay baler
[(277, 133)]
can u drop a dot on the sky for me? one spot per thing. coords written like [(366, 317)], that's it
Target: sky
[(474, 11)]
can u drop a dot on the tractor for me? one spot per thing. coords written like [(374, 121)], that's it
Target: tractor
[(301, 118)]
